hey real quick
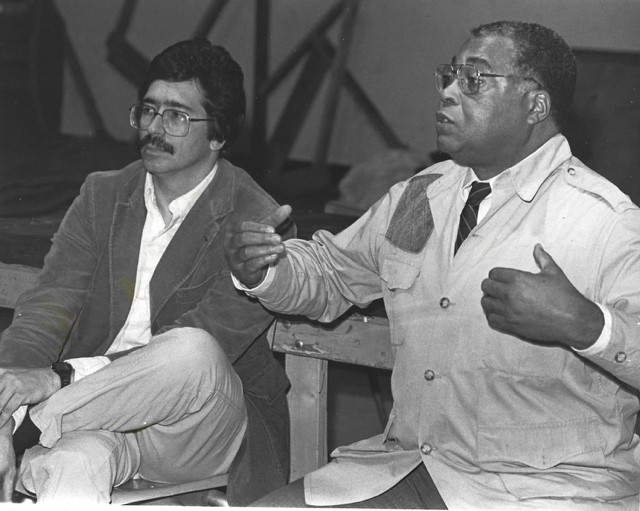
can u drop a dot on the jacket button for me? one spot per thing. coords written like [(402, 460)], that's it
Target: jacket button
[(444, 302), (426, 449), (620, 357), (571, 171), (429, 375)]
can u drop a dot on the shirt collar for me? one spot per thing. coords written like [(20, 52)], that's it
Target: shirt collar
[(526, 176), (471, 177), (180, 206)]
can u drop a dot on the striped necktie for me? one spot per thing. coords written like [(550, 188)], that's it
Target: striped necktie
[(469, 215)]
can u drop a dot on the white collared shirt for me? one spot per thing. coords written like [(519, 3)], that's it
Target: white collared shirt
[(156, 236)]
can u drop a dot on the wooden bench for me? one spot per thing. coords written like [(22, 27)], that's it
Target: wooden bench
[(308, 348)]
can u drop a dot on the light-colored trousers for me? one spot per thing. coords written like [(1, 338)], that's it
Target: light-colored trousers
[(171, 411)]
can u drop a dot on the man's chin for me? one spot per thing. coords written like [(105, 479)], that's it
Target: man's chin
[(445, 145), (154, 164)]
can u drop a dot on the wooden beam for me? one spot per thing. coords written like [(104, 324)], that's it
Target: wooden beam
[(209, 18), (336, 80), (361, 98), (260, 74), (356, 339), (125, 16), (84, 89), (308, 414), (294, 115), (301, 49), (128, 61)]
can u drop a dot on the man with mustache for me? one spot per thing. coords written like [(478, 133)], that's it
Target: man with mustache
[(134, 354), (511, 277)]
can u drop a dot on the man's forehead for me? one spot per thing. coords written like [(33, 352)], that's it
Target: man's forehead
[(185, 94), (489, 52)]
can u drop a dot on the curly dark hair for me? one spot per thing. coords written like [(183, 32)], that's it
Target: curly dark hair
[(543, 55), (219, 77)]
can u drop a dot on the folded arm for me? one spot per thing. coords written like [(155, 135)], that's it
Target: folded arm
[(545, 307)]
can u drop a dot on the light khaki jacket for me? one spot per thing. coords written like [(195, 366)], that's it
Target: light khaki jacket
[(500, 423)]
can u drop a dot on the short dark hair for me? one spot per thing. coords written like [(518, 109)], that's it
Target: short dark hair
[(219, 77), (542, 54)]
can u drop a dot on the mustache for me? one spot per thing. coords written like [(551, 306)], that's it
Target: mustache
[(156, 141)]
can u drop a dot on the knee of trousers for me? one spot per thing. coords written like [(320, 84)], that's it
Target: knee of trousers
[(80, 464), (193, 354)]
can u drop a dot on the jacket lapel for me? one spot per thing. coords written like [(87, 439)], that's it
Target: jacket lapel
[(193, 238), (126, 231)]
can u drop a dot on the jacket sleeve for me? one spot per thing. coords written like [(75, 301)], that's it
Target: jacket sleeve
[(619, 291), (44, 316)]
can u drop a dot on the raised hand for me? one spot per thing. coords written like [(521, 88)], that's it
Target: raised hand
[(250, 247), (543, 307)]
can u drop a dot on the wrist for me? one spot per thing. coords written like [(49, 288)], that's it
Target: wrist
[(259, 279), (246, 283), (64, 372), (589, 324)]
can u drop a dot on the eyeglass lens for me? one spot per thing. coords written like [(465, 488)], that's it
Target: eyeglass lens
[(466, 75), (175, 123)]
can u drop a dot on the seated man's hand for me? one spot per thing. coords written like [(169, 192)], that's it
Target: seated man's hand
[(24, 386), (542, 307), (7, 462), (250, 247)]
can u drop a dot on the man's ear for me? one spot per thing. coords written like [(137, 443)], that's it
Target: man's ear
[(539, 106), (216, 145)]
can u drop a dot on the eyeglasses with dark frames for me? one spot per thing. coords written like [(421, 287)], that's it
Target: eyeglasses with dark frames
[(175, 122)]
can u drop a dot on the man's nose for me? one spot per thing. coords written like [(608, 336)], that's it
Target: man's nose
[(450, 92), (156, 125)]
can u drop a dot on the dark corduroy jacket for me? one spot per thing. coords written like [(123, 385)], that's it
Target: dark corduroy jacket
[(85, 291)]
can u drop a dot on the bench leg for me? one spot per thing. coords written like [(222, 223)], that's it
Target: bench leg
[(308, 410)]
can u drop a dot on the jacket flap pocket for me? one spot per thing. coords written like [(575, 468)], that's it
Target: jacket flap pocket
[(538, 446), (398, 274)]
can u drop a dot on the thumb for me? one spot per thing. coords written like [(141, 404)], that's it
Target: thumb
[(277, 216), (544, 261)]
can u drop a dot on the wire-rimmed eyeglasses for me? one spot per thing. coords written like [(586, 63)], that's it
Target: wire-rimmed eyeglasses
[(468, 77), (175, 122)]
